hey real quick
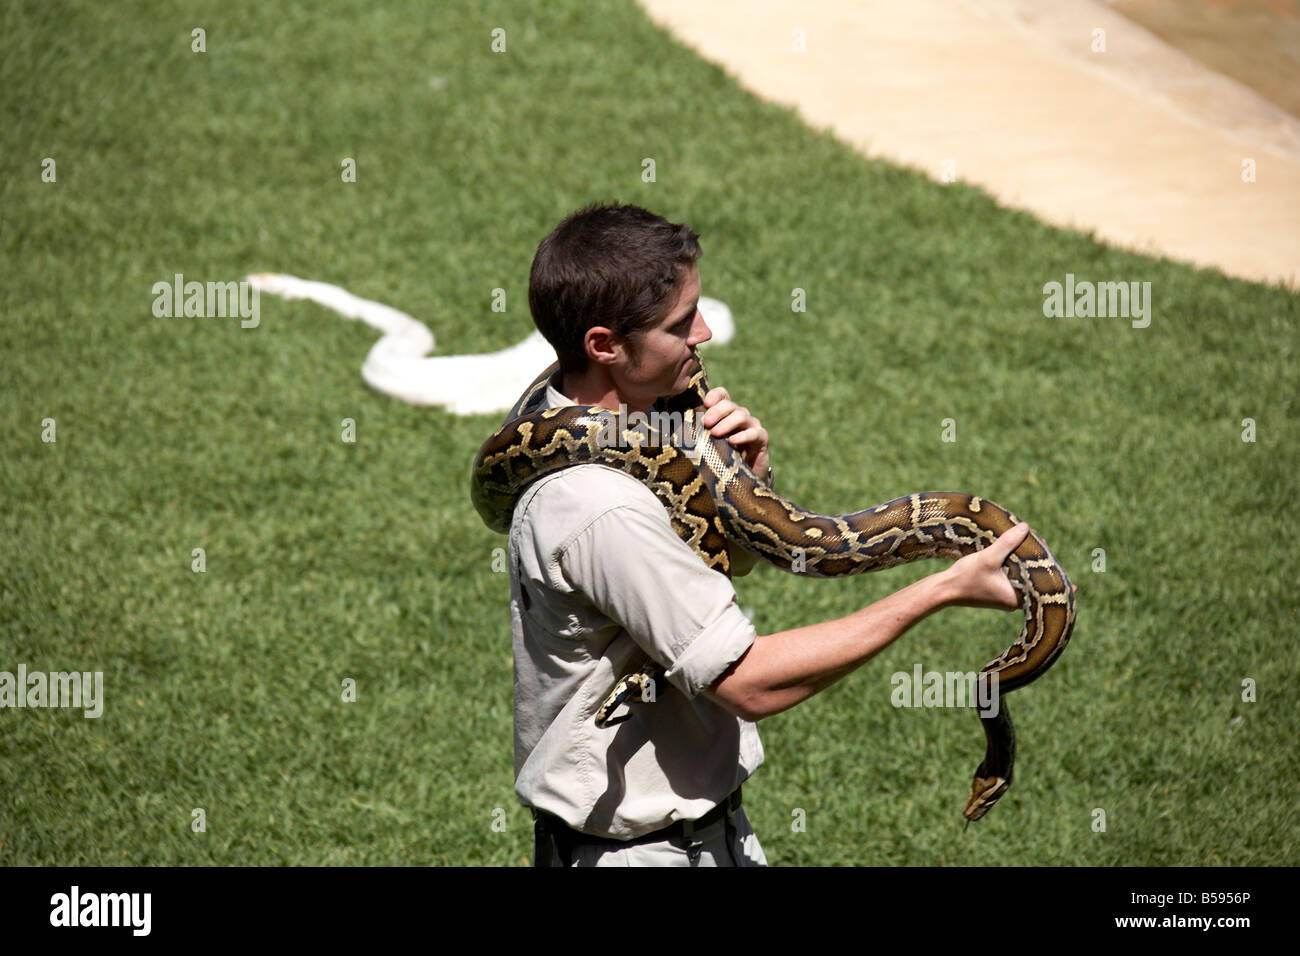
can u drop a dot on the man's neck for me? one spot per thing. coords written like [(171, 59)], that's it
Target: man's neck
[(595, 388)]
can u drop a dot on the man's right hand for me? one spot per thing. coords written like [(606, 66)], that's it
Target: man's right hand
[(980, 580)]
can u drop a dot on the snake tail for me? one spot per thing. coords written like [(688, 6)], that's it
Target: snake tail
[(993, 775)]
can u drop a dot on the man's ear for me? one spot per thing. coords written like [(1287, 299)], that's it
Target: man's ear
[(602, 345)]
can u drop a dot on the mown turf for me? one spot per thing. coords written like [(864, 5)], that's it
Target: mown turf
[(329, 560)]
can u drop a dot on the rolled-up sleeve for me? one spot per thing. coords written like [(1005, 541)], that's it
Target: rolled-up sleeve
[(631, 565)]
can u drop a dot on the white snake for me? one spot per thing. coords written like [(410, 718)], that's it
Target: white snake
[(399, 364)]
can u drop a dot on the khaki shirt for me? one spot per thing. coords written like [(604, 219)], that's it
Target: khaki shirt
[(598, 580)]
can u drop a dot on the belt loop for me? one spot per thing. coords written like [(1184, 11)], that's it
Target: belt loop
[(693, 846)]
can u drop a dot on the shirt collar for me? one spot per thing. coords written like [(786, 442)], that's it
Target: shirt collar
[(554, 397)]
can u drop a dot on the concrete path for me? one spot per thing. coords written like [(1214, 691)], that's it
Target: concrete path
[(1137, 141)]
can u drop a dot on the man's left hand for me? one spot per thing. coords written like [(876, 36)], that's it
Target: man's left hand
[(726, 419)]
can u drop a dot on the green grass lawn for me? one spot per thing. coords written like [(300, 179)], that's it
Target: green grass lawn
[(328, 560)]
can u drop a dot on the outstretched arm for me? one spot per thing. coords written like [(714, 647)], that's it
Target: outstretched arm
[(780, 670)]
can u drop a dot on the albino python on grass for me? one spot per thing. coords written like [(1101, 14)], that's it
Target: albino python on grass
[(719, 498)]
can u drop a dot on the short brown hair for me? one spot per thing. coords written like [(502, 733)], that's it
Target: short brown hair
[(607, 264)]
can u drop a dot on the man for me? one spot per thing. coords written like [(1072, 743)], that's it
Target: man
[(599, 581)]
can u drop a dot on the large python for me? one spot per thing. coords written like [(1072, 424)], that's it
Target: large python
[(712, 496)]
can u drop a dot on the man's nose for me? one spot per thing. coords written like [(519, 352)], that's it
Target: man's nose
[(700, 331)]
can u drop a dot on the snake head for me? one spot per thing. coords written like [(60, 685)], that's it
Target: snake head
[(984, 792)]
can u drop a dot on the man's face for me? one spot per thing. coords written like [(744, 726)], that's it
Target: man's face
[(664, 352)]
